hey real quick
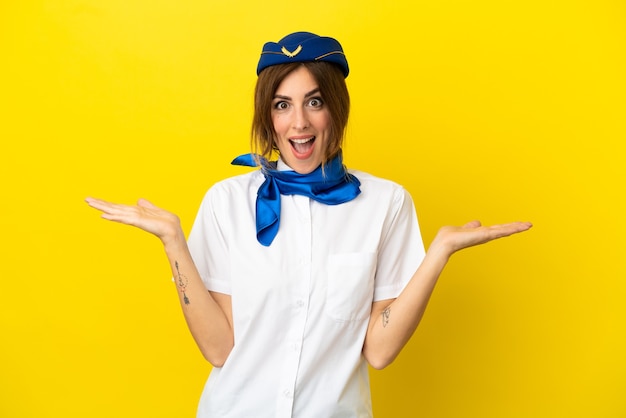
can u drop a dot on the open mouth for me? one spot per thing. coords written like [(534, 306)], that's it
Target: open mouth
[(302, 147)]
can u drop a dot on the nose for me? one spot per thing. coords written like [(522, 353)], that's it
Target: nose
[(300, 118)]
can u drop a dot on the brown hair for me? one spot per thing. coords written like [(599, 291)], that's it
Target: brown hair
[(333, 90)]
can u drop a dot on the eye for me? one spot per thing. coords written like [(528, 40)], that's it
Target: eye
[(316, 102), (282, 105)]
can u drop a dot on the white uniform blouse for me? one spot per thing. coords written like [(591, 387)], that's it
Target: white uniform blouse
[(301, 306)]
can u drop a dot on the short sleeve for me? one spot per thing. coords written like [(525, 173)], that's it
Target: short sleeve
[(208, 246), (401, 249)]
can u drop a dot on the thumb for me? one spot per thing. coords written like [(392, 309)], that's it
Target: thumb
[(144, 203), (472, 224)]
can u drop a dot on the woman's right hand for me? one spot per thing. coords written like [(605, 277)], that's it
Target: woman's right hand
[(165, 225)]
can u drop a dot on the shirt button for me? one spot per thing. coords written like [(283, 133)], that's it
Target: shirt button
[(287, 394), (299, 303)]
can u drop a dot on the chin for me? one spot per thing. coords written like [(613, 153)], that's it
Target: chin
[(304, 168)]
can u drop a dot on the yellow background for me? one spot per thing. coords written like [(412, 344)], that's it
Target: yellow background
[(483, 109)]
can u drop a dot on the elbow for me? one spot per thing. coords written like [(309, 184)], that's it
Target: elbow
[(217, 357), (216, 361), (379, 360), (379, 364)]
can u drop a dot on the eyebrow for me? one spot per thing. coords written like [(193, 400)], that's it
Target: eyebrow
[(307, 95)]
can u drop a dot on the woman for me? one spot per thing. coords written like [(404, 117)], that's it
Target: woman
[(312, 271)]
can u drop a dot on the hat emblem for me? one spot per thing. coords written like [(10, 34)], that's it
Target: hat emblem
[(291, 54)]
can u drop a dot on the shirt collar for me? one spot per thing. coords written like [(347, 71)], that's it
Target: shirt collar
[(282, 166)]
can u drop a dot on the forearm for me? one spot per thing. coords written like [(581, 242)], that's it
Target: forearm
[(209, 324), (392, 325)]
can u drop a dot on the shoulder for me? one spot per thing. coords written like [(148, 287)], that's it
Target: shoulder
[(237, 183), (232, 190), (371, 179), (378, 187)]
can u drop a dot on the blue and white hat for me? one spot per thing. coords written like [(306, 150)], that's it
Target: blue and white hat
[(303, 47)]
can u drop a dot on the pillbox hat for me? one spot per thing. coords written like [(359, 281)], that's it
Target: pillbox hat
[(303, 47)]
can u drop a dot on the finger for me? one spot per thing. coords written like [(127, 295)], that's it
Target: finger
[(505, 230), (129, 215), (472, 224), (92, 200), (522, 226), (105, 206), (114, 212), (98, 203)]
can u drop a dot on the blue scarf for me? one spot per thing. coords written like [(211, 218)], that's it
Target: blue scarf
[(332, 187)]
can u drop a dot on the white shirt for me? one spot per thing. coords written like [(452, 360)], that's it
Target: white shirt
[(301, 306)]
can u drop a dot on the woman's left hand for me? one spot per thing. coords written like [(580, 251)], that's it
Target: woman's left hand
[(455, 238)]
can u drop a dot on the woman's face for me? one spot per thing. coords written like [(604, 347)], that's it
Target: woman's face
[(301, 121)]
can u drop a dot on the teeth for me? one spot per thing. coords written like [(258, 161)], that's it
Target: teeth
[(302, 141)]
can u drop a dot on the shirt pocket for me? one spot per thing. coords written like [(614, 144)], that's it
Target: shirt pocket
[(350, 287)]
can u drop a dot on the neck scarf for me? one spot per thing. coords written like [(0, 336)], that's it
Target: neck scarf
[(332, 187)]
